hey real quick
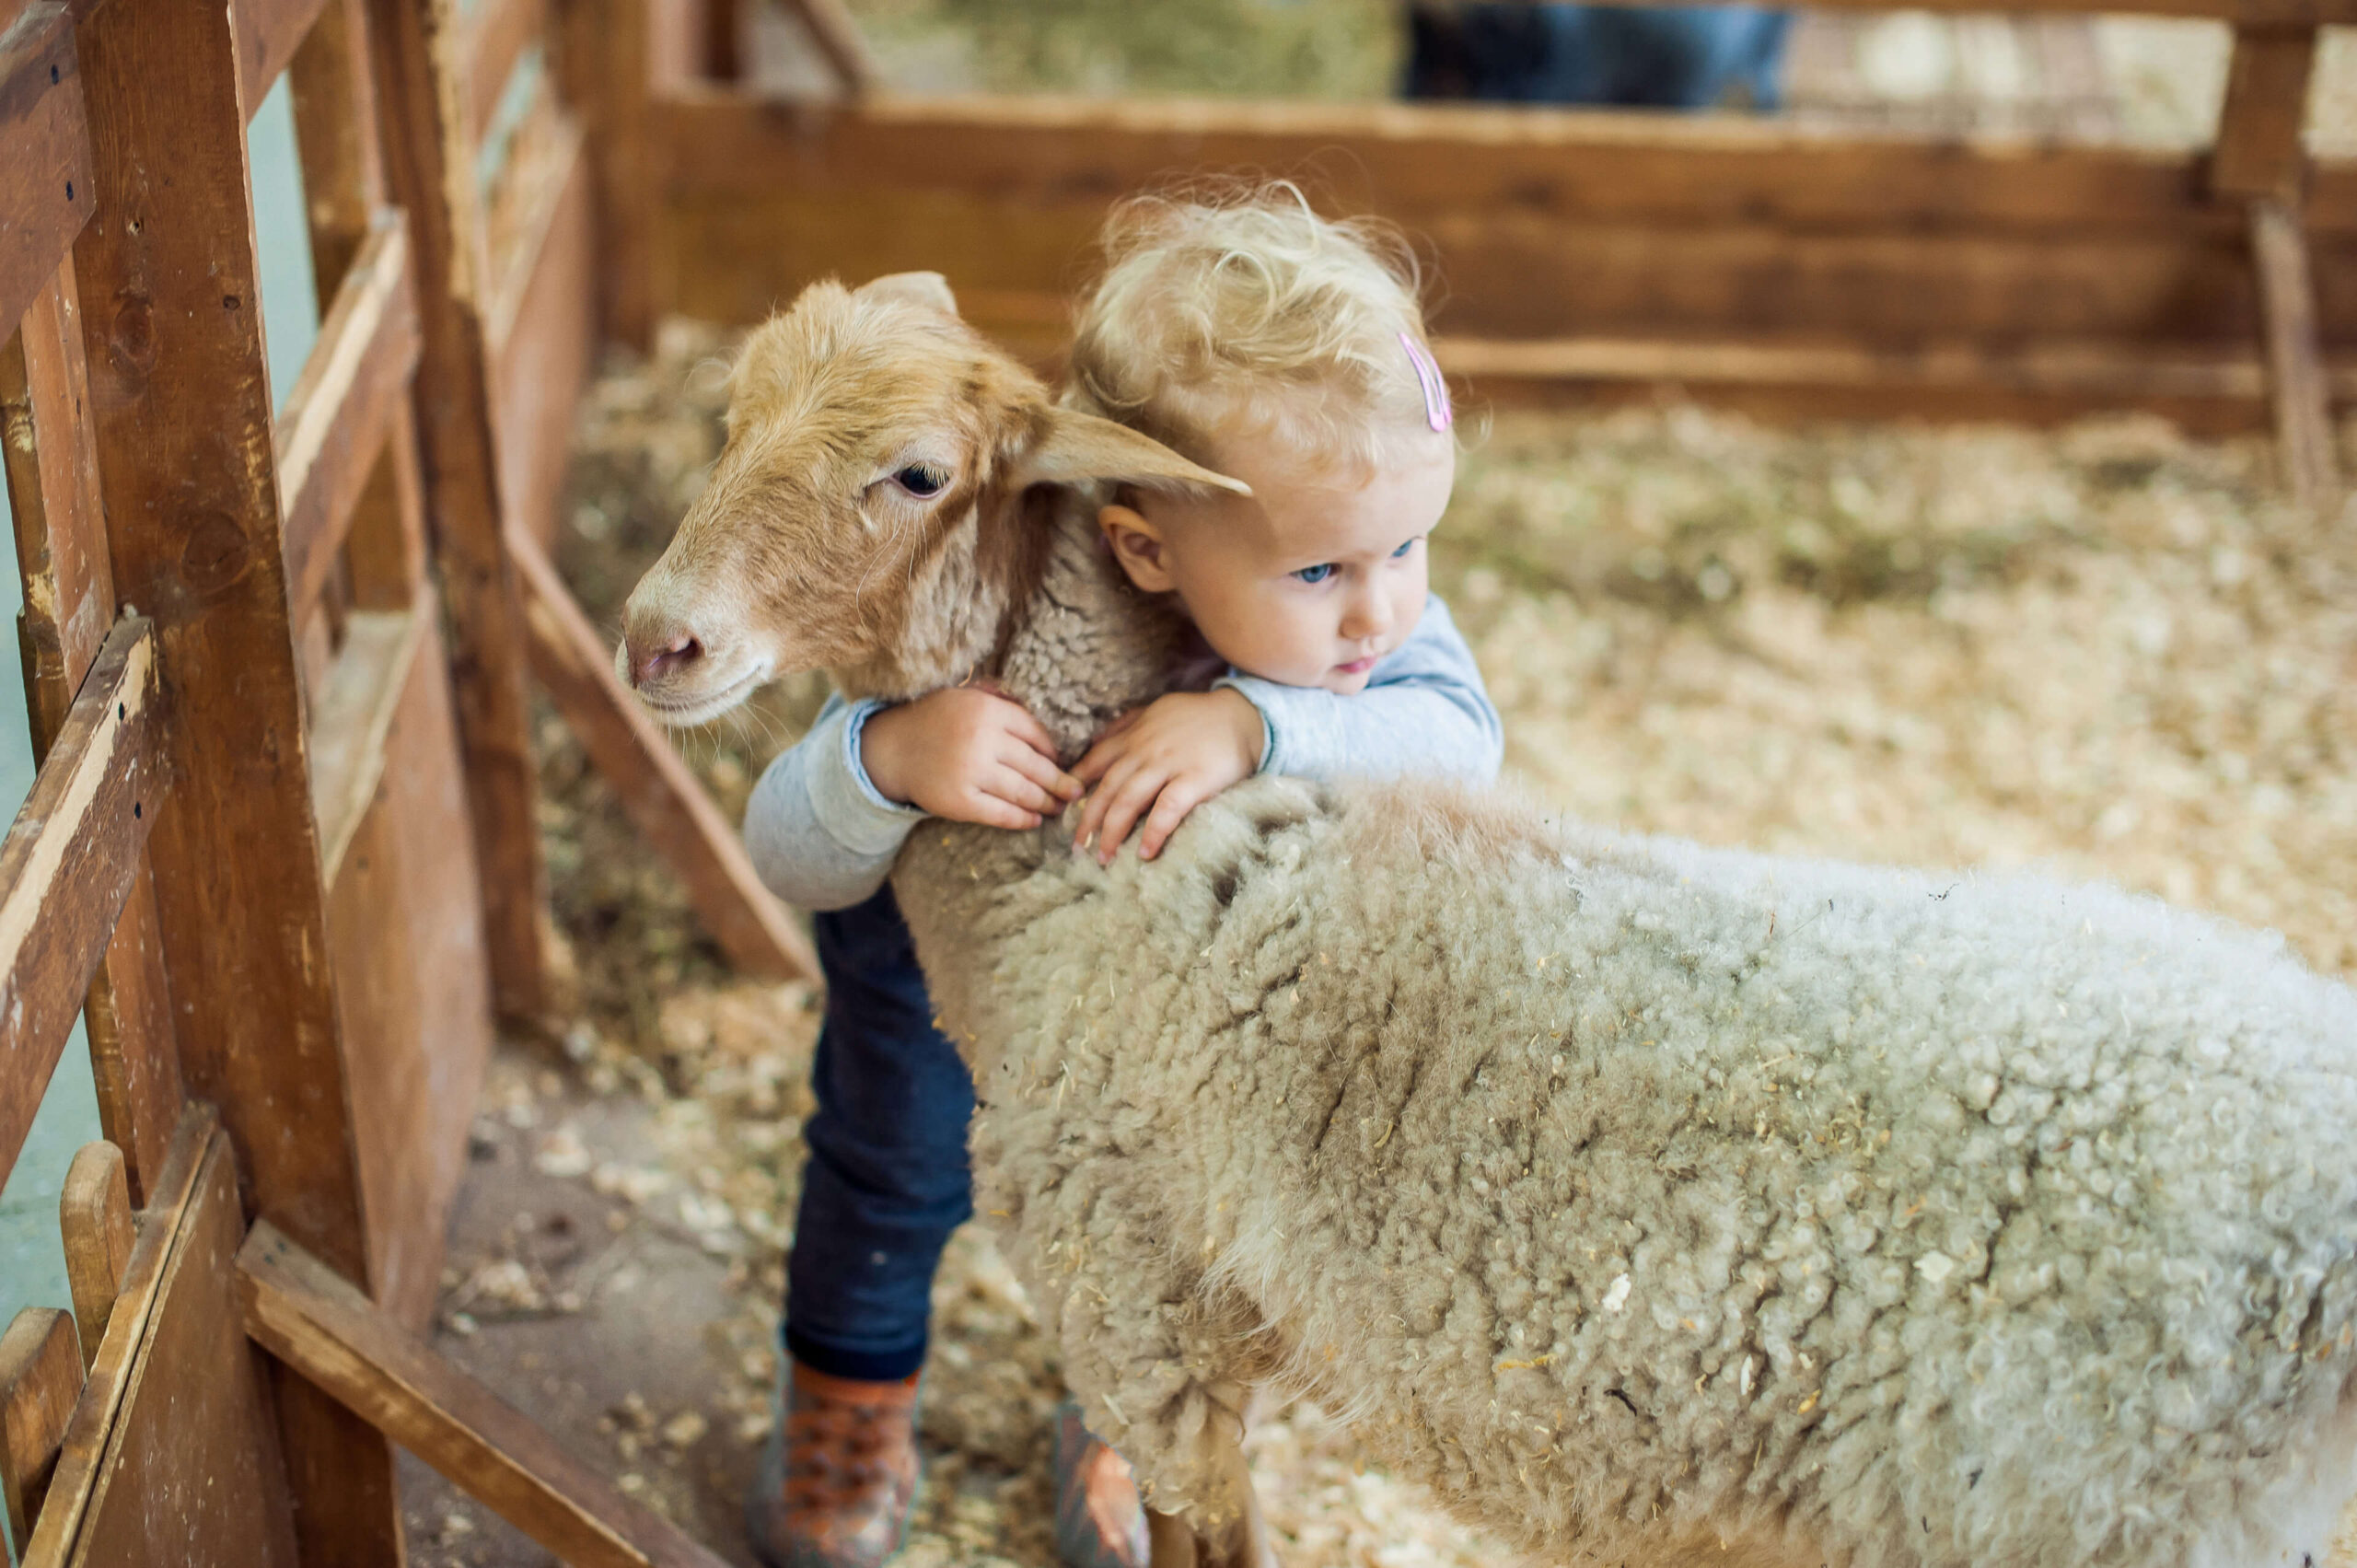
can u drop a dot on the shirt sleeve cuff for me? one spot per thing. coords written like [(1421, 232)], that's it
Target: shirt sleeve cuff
[(849, 806)]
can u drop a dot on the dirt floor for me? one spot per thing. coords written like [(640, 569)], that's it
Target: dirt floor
[(2106, 650)]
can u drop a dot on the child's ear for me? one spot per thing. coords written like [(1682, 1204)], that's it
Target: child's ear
[(1080, 448), (1137, 545)]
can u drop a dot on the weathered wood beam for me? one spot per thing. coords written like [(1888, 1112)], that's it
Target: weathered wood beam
[(67, 863), (181, 395), (302, 1313), (80, 1456), (335, 421), (94, 1222), (497, 37), (269, 33), (333, 85), (69, 603), (41, 1377), (543, 329), (2295, 364), (2259, 151), (44, 153), (350, 718), (191, 1472), (429, 170), (661, 796)]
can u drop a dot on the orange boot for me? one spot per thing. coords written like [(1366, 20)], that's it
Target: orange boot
[(1099, 1521), (835, 1485)]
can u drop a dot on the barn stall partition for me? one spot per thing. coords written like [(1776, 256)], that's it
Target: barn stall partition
[(280, 853)]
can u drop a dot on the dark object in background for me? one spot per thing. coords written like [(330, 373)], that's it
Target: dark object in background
[(1649, 57)]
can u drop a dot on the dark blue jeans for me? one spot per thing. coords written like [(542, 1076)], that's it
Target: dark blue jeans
[(1643, 57), (887, 1180)]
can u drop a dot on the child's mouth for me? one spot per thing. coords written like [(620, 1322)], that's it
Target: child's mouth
[(1356, 667)]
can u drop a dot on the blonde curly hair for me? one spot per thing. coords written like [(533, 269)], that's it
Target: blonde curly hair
[(1236, 309)]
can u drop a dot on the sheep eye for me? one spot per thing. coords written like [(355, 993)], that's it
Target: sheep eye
[(921, 481)]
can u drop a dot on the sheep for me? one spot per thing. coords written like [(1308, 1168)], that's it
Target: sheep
[(1650, 1201)]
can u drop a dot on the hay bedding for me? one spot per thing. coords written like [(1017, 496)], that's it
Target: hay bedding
[(2108, 650)]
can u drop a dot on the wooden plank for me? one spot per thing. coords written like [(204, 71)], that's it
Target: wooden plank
[(94, 1219), (192, 1471), (496, 38), (269, 32), (67, 865), (69, 603), (2103, 372), (543, 335), (428, 168), (44, 153), (405, 935), (350, 720), (2295, 366), (660, 795), (41, 1377), (300, 1312), (180, 391), (84, 1447), (2259, 151), (334, 92), (605, 59), (1408, 160), (328, 439)]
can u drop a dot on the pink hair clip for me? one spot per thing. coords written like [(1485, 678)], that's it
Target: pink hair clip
[(1437, 412)]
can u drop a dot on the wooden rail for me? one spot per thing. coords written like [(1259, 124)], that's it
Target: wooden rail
[(301, 1312), (67, 865)]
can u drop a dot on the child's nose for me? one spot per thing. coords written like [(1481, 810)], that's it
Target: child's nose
[(1369, 615)]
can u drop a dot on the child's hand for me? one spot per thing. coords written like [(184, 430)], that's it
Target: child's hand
[(968, 755), (1173, 754)]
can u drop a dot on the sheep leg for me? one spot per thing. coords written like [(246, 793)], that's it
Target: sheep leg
[(1174, 1543)]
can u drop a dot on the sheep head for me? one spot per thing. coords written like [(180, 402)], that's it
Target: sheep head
[(866, 515)]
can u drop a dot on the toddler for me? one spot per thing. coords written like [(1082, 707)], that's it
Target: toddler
[(1261, 342)]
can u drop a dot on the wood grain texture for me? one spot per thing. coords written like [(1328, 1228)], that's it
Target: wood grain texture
[(405, 934), (67, 863), (2259, 151), (333, 431), (41, 1377), (334, 93), (45, 152), (2294, 362), (661, 796), (192, 1471), (68, 597), (80, 1456), (269, 33), (497, 37), (94, 1221), (429, 168), (604, 62), (350, 717), (180, 392), (543, 335), (302, 1313)]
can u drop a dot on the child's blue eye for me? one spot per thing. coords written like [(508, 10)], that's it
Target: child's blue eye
[(1404, 550), (1317, 574)]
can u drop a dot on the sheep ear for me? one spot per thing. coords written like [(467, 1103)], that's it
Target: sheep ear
[(914, 288), (1081, 448)]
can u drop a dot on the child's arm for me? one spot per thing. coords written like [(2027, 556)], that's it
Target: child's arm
[(830, 813), (1425, 711), (820, 832)]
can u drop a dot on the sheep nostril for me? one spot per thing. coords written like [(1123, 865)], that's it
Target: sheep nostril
[(676, 654)]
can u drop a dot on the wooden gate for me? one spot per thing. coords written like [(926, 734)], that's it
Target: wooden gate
[(281, 849)]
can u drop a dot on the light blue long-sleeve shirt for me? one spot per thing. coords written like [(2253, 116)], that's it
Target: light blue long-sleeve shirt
[(822, 836)]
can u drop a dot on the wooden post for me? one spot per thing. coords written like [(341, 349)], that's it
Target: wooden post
[(607, 74), (94, 1221), (2259, 159), (41, 1377), (429, 167), (180, 399)]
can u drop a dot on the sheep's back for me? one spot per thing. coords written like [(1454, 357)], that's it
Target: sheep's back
[(1697, 1181)]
